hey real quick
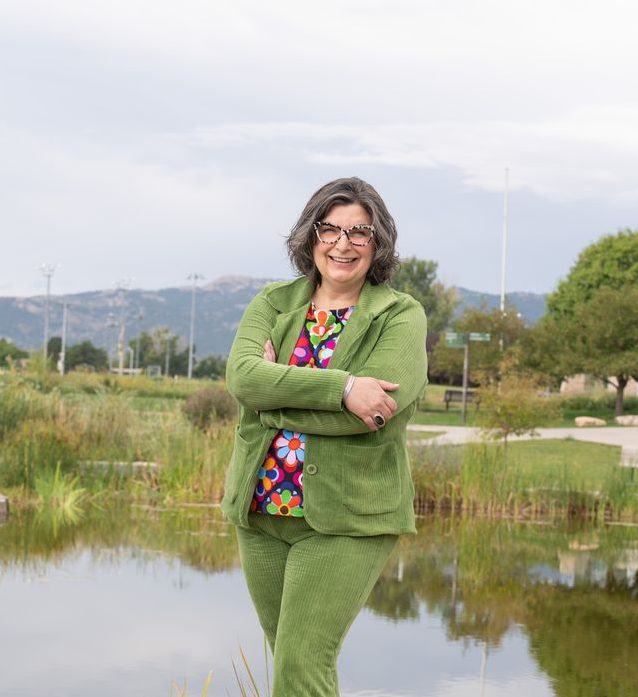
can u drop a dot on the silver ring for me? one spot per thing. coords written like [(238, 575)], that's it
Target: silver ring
[(379, 420)]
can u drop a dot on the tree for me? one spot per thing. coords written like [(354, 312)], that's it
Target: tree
[(213, 367), (10, 352), (590, 317), (155, 347), (612, 262), (418, 278), (86, 354), (514, 406), (603, 339), (447, 363)]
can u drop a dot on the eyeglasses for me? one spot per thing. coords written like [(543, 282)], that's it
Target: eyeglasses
[(358, 235)]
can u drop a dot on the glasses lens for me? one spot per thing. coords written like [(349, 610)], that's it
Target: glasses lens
[(360, 235), (328, 233)]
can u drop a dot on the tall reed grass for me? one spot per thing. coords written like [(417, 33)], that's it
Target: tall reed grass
[(41, 431)]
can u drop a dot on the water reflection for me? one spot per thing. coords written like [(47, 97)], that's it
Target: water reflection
[(464, 608)]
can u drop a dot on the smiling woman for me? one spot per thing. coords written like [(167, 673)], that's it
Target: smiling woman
[(319, 484)]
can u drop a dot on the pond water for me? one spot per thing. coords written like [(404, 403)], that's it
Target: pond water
[(131, 601)]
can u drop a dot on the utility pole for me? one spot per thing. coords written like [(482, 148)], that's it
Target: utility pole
[(194, 277), (167, 336), (111, 323), (63, 348), (140, 317), (504, 250), (47, 271), (122, 287)]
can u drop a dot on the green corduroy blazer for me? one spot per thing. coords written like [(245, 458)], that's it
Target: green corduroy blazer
[(356, 481)]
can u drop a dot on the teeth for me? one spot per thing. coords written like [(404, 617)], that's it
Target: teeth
[(341, 259)]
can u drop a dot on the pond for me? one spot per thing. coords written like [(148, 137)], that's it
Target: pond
[(129, 602)]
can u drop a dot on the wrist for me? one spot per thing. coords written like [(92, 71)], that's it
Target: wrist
[(347, 388)]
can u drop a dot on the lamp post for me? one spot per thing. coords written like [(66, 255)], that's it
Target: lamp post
[(140, 317), (504, 249), (193, 277), (61, 361), (47, 271)]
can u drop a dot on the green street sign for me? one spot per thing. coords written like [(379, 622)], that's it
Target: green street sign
[(480, 336), (455, 339)]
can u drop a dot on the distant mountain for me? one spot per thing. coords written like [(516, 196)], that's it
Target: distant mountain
[(531, 305), (95, 315)]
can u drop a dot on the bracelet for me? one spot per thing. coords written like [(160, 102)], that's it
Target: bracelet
[(348, 387)]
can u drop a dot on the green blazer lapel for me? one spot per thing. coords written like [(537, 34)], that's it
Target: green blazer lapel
[(373, 300), (286, 332), (291, 300)]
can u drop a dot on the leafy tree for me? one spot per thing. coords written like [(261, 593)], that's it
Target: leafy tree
[(154, 346), (611, 262), (514, 406), (446, 364), (85, 353), (213, 367), (10, 352), (418, 278), (54, 346), (603, 339), (590, 317)]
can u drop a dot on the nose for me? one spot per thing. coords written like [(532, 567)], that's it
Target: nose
[(343, 242)]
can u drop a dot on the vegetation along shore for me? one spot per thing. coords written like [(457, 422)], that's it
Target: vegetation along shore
[(87, 439)]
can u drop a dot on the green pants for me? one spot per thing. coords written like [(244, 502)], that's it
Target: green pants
[(307, 589)]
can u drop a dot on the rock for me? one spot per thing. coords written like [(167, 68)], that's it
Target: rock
[(589, 421), (627, 420)]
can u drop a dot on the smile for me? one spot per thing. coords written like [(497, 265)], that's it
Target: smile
[(343, 260)]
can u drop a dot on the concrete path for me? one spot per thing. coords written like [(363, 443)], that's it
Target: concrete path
[(623, 436)]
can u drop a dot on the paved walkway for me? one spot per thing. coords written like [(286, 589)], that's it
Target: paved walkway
[(624, 436)]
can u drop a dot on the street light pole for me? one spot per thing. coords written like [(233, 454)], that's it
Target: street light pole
[(47, 271), (63, 347), (194, 277), (504, 250), (140, 317)]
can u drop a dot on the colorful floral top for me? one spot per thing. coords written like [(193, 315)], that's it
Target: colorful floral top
[(279, 488)]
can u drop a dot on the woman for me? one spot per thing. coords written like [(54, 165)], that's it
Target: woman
[(319, 483)]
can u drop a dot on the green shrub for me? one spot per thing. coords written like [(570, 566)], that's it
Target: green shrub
[(209, 405), (588, 404)]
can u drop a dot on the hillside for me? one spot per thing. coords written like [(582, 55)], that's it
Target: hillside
[(220, 304)]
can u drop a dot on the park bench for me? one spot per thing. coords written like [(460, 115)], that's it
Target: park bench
[(457, 396)]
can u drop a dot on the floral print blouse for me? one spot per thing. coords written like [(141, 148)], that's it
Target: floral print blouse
[(279, 489)]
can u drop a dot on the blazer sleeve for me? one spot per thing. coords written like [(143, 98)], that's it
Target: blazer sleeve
[(259, 384), (399, 356)]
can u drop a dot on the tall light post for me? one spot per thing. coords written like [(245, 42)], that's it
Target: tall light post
[(48, 270), (61, 362), (122, 287), (140, 317), (193, 277), (504, 250)]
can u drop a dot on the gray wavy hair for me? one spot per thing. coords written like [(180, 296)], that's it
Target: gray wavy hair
[(302, 239)]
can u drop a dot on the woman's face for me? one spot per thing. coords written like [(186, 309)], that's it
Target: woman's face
[(343, 266)]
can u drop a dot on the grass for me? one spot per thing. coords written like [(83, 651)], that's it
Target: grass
[(432, 411), (549, 477), (48, 428), (44, 427)]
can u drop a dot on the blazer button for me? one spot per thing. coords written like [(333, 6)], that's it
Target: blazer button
[(311, 468)]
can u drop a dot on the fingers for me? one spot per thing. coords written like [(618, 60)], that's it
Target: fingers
[(269, 352), (388, 386)]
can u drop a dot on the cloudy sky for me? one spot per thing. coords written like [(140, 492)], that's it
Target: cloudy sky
[(151, 139)]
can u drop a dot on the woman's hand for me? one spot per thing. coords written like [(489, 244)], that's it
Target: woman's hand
[(368, 397), (269, 352)]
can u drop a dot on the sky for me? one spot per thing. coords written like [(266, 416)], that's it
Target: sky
[(148, 140)]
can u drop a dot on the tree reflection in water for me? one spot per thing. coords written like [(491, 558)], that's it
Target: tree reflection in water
[(572, 590)]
